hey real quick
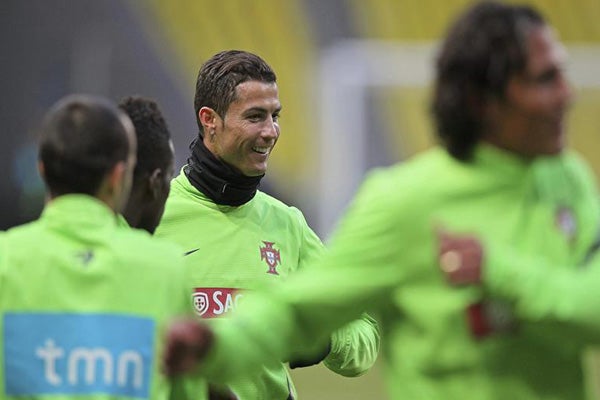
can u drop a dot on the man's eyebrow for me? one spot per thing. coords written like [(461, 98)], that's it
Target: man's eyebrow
[(254, 109), (261, 109), (547, 71)]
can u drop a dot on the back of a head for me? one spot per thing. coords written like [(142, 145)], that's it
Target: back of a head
[(222, 73), (82, 138), (482, 50), (153, 136)]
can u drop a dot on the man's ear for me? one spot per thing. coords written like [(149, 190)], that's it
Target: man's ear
[(155, 183), (208, 118), (111, 189), (115, 184), (41, 170), (116, 176)]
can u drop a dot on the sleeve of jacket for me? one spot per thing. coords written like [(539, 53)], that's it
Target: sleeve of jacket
[(355, 346), (543, 292)]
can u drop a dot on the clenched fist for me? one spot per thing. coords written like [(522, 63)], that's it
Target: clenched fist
[(460, 258), (187, 342)]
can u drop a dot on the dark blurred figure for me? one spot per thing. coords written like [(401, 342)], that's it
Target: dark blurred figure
[(154, 167)]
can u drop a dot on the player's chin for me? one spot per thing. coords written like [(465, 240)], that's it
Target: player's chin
[(256, 165), (256, 170), (555, 141), (553, 147)]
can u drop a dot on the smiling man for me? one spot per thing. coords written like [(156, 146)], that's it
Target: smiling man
[(238, 238)]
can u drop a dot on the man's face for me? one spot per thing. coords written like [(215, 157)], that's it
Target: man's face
[(530, 120), (157, 208), (245, 137), (169, 172)]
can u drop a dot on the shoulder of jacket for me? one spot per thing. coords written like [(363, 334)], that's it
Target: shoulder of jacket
[(265, 200), (139, 241)]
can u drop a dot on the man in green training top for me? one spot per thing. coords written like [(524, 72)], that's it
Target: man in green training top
[(238, 238), (499, 103), (84, 303)]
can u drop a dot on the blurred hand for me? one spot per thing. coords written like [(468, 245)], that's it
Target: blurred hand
[(460, 258), (187, 342)]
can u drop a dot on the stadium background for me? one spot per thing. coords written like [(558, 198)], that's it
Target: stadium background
[(353, 76)]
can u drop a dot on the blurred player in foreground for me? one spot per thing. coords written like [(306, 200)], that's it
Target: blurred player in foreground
[(85, 303)]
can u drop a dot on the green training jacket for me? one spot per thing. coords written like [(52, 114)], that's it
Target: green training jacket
[(84, 304), (232, 250), (383, 259)]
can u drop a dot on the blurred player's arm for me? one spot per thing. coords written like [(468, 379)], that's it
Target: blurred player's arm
[(351, 350), (538, 290)]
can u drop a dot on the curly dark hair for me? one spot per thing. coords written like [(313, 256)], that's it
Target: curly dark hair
[(482, 50), (152, 132), (222, 73)]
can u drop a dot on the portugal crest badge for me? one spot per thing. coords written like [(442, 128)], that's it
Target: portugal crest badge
[(566, 222), (271, 257)]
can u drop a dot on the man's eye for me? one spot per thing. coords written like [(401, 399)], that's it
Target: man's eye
[(548, 77)]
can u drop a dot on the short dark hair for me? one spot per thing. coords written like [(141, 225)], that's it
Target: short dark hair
[(222, 73), (482, 50), (153, 136), (82, 137)]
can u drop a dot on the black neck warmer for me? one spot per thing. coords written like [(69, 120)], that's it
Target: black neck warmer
[(217, 180)]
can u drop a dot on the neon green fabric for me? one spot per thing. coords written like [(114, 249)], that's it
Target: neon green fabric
[(232, 250), (566, 294), (84, 305), (383, 259)]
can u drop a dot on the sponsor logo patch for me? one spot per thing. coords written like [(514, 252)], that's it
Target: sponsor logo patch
[(215, 302), (77, 354), (271, 257)]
